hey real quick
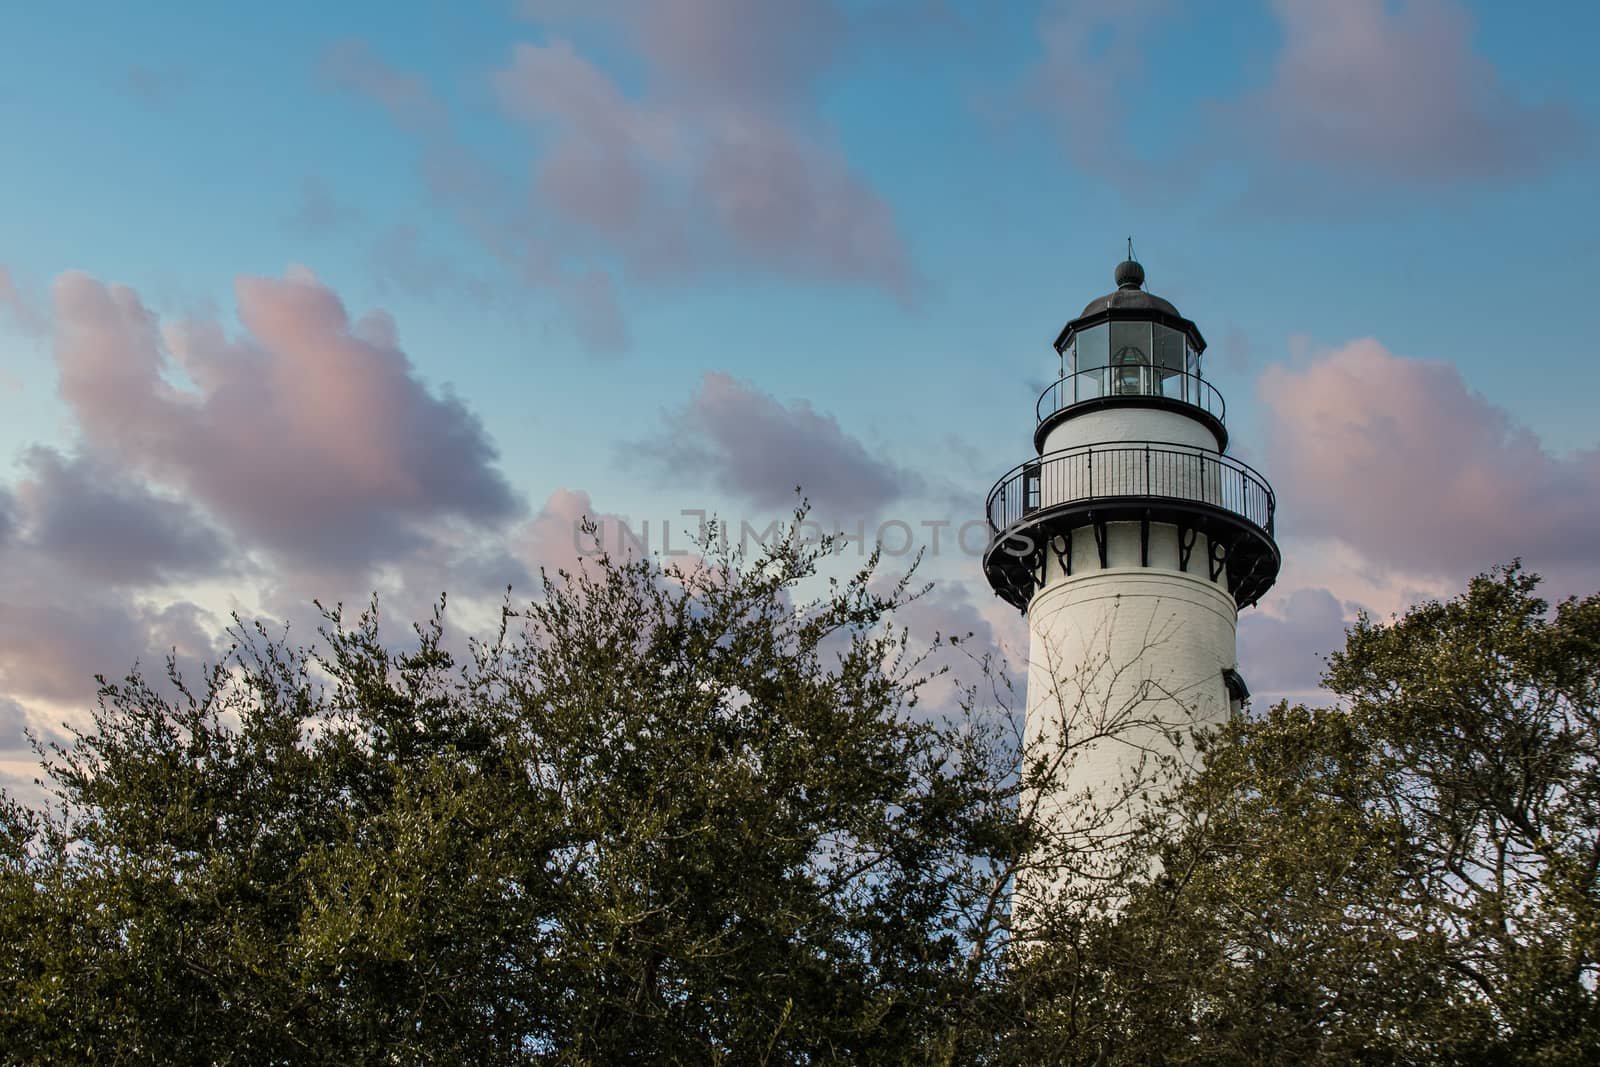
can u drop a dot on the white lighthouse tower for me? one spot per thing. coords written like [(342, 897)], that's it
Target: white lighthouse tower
[(1131, 540)]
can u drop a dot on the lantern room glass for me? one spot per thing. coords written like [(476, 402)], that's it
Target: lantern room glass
[(1168, 356), (1130, 359), (1091, 351)]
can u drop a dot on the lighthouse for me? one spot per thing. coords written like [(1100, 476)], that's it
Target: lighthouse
[(1131, 540)]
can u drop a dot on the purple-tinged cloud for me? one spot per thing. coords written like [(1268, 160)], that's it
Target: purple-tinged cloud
[(1283, 653), (1399, 459), (13, 724), (1092, 52), (57, 633), (1395, 89), (717, 160), (737, 439), (688, 180), (309, 435), (100, 522), (767, 52)]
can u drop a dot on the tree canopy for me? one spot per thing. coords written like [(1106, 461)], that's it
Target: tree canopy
[(704, 815), (667, 815), (1408, 877)]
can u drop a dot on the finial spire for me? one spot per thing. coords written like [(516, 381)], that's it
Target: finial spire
[(1130, 250)]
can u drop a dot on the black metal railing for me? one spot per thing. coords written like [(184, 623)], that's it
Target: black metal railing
[(1140, 379), (1148, 470)]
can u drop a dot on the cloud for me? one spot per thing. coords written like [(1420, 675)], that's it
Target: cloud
[(1363, 98), (768, 52), (714, 169), (1282, 651), (745, 442), (404, 262), (1372, 87), (715, 158), (555, 538), (21, 311), (156, 87), (67, 607), (93, 518), (1093, 52), (308, 435), (13, 723), (57, 632), (351, 64), (1399, 459), (318, 212)]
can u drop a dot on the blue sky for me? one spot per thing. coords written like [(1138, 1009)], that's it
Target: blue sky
[(865, 222)]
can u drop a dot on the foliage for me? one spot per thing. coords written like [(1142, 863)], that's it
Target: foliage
[(1411, 878), (666, 816), (687, 816)]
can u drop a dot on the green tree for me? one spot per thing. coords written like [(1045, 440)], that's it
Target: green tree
[(666, 815), (1408, 878)]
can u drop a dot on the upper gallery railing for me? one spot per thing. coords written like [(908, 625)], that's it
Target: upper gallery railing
[(1140, 379)]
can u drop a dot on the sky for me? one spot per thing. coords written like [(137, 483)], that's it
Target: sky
[(310, 301)]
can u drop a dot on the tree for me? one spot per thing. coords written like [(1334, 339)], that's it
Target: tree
[(666, 815), (1408, 878), (699, 815)]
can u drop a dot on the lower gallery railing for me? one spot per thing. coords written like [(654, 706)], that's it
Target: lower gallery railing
[(1143, 469)]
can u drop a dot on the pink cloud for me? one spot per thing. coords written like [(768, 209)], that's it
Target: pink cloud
[(555, 539), (703, 173), (1399, 459), (309, 434), (1396, 89), (746, 442), (717, 160)]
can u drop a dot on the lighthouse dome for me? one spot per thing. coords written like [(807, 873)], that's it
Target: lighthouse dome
[(1129, 301)]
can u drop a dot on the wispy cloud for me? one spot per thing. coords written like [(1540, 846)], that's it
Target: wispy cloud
[(352, 64), (717, 160), (1363, 98), (1395, 90)]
